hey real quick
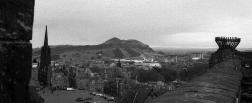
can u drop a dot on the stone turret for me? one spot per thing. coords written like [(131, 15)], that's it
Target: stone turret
[(45, 72), (227, 42), (226, 50)]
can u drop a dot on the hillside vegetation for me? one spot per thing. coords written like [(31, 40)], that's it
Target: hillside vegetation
[(112, 48)]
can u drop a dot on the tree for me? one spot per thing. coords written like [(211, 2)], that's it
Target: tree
[(110, 88), (168, 74), (118, 53), (146, 76)]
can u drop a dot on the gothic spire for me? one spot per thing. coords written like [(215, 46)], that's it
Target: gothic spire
[(44, 73), (46, 38)]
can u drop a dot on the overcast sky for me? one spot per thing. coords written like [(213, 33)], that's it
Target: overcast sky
[(158, 23)]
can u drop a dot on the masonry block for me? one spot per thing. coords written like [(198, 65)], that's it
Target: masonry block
[(16, 22)]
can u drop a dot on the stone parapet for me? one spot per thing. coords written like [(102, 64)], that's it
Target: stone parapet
[(221, 84)]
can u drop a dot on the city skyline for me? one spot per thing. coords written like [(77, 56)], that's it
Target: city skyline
[(159, 23)]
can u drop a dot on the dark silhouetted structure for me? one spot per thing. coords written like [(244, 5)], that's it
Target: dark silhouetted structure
[(226, 49), (220, 84), (227, 42), (16, 23), (71, 77), (45, 72), (119, 64), (246, 84)]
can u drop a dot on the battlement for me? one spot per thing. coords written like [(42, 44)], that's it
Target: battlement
[(226, 49), (227, 42)]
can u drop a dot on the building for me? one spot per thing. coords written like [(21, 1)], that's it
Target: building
[(45, 72), (83, 76), (59, 80), (96, 84), (72, 77)]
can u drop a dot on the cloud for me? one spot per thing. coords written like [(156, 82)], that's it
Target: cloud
[(154, 22)]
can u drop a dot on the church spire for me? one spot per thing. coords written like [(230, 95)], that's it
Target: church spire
[(46, 38), (44, 73)]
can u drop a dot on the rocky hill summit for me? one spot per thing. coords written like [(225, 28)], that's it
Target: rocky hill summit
[(112, 48)]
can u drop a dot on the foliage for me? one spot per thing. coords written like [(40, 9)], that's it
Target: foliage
[(129, 94), (146, 76), (118, 53), (110, 88), (96, 69), (168, 74), (132, 52), (194, 71), (71, 78)]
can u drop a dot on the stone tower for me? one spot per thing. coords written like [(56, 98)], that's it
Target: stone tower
[(226, 50), (45, 72)]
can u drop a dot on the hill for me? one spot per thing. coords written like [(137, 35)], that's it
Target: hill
[(112, 48)]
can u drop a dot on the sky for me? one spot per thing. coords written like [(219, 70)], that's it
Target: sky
[(158, 23)]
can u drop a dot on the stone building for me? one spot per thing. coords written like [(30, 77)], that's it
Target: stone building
[(72, 77), (226, 50), (16, 23), (59, 80), (96, 84), (83, 76), (45, 72)]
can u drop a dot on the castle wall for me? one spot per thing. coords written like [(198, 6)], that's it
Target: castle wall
[(221, 84), (16, 22)]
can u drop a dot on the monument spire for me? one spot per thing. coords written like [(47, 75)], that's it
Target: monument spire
[(46, 37), (44, 74)]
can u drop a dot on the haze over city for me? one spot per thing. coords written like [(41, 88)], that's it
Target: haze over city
[(159, 23), (125, 51)]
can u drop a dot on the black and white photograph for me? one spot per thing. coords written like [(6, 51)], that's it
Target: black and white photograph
[(125, 51)]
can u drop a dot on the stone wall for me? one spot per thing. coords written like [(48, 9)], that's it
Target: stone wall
[(221, 84), (16, 22)]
